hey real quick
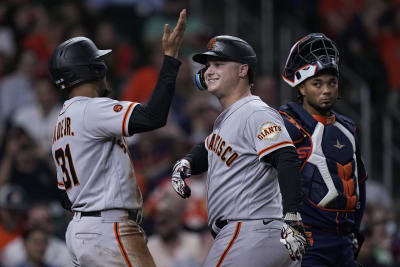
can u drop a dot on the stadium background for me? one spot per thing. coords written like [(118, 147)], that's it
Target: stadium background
[(366, 31)]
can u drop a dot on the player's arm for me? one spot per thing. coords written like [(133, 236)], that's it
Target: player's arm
[(198, 159), (363, 176), (293, 235), (287, 163), (62, 197), (154, 113), (195, 162)]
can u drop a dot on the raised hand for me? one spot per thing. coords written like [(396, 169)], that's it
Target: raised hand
[(171, 41)]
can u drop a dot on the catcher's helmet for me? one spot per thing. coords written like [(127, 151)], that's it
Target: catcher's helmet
[(228, 48), (308, 56), (75, 61)]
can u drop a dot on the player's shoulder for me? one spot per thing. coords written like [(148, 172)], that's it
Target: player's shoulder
[(104, 103), (101, 100), (257, 105), (346, 121), (291, 109), (343, 118), (72, 103)]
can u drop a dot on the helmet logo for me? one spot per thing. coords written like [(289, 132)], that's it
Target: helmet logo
[(117, 108), (59, 81), (211, 43)]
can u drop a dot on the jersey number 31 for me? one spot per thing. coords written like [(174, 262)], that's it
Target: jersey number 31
[(69, 171)]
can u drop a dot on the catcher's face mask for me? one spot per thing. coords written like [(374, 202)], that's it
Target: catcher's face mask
[(308, 57)]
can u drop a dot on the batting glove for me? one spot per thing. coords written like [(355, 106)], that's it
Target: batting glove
[(293, 235), (180, 172)]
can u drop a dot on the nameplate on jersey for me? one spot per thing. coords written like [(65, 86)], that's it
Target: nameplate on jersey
[(224, 151), (63, 128)]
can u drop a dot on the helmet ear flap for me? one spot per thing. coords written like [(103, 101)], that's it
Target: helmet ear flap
[(199, 79)]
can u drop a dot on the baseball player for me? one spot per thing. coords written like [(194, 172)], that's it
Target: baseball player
[(327, 144), (248, 148), (93, 163)]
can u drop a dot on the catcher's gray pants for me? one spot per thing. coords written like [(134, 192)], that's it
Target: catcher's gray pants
[(252, 243)]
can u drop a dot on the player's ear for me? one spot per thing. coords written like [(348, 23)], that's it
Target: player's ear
[(243, 70), (302, 89)]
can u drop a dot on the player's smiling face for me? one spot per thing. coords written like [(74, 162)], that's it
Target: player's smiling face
[(221, 76), (320, 93)]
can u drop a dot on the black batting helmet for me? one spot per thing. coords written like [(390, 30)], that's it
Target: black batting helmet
[(308, 56), (228, 48), (75, 61)]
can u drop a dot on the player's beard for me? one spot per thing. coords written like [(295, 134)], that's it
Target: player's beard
[(322, 109)]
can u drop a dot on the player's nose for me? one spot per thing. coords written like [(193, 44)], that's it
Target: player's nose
[(326, 89), (209, 71)]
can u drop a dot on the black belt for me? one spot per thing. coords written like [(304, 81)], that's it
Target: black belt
[(91, 213), (222, 223), (134, 215)]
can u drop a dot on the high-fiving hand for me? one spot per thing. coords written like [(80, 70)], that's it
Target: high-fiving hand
[(171, 41)]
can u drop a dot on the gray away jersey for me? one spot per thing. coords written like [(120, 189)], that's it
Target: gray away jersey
[(91, 157), (240, 185)]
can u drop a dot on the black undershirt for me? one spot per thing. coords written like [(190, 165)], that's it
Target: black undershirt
[(198, 158), (153, 114), (285, 160)]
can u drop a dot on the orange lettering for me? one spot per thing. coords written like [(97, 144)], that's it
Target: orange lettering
[(220, 148), (231, 159), (228, 149), (68, 125), (215, 143), (210, 146)]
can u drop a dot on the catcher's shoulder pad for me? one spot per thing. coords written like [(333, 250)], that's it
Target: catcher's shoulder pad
[(293, 126), (346, 121)]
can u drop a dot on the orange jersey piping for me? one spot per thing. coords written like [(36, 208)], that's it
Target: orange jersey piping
[(125, 117)]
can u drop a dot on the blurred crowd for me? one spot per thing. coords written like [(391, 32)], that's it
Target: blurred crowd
[(32, 223)]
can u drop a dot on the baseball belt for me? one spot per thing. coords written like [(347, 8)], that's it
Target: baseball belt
[(134, 215), (219, 224)]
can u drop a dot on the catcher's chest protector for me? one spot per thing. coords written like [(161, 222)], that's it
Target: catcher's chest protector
[(328, 153)]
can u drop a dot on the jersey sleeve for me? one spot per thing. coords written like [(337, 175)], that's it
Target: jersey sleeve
[(104, 117), (266, 130)]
